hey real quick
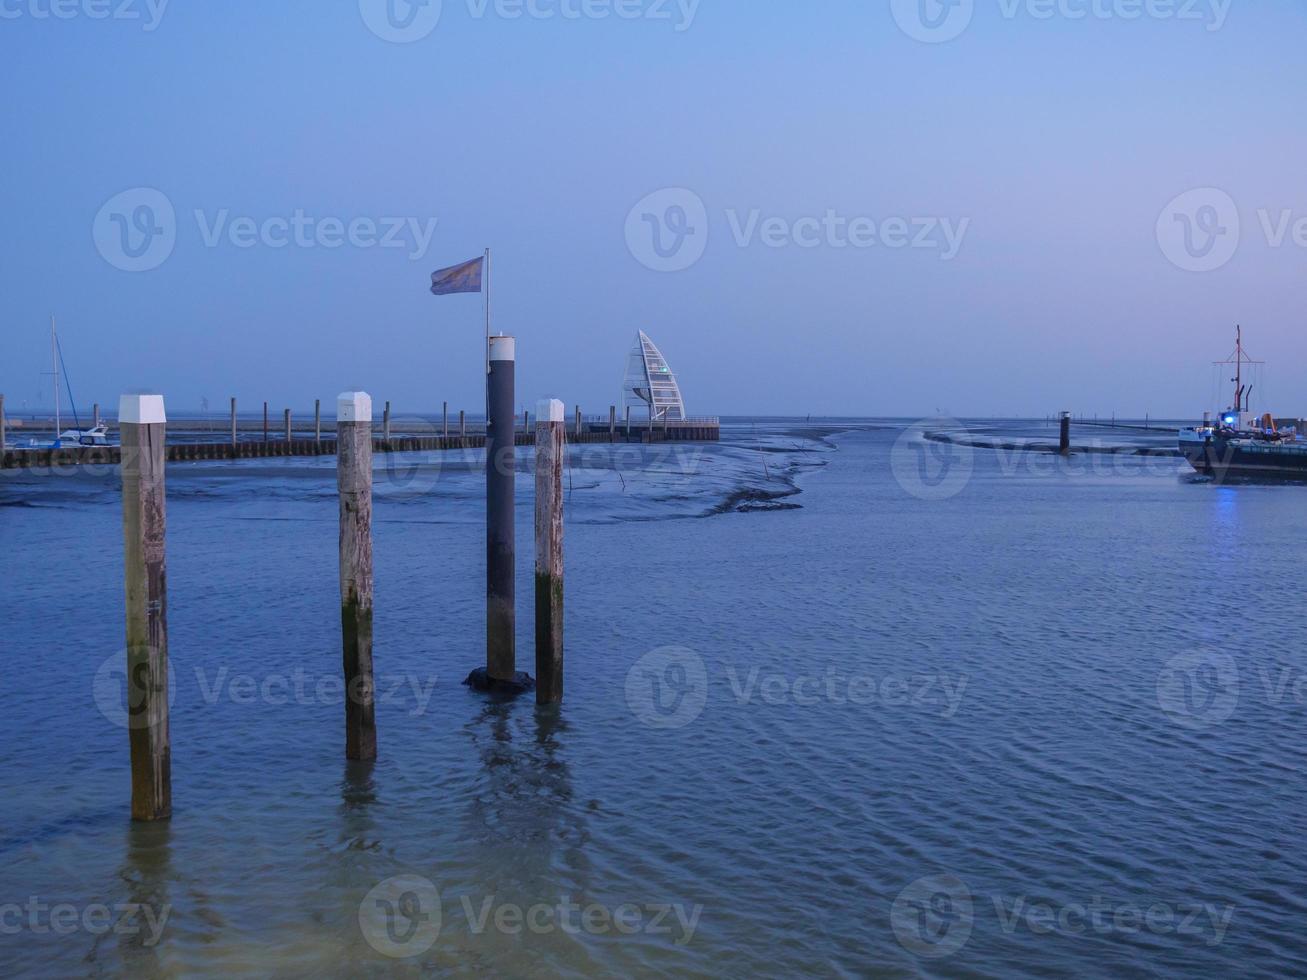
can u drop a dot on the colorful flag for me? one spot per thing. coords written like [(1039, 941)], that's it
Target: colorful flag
[(465, 278)]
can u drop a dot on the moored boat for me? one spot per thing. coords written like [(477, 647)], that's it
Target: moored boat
[(1240, 442)]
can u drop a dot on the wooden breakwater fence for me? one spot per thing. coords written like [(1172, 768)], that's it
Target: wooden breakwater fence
[(142, 460), (581, 431)]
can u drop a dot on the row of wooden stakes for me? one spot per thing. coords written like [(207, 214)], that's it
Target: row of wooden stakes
[(143, 426)]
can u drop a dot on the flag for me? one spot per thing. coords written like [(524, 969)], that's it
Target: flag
[(465, 278)]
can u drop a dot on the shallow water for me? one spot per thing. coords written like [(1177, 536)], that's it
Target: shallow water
[(960, 712)]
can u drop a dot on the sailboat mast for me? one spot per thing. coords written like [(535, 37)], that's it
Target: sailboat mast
[(1238, 370), (54, 365)]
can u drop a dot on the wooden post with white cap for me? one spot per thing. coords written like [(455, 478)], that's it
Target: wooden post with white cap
[(143, 429), (551, 448), (354, 481)]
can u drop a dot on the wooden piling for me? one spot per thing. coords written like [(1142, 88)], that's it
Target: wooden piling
[(143, 430), (501, 617), (265, 421), (288, 432), (317, 420), (551, 449), (354, 481), (628, 421), (1064, 440), (612, 423), (234, 438), (462, 425), (578, 423), (95, 416), (385, 424), (444, 416), (3, 443)]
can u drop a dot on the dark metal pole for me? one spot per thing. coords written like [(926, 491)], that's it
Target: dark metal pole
[(501, 661), (1064, 442)]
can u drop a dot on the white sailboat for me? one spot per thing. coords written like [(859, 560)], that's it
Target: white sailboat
[(97, 435)]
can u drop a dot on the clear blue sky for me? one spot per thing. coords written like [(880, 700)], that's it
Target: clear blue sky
[(1059, 140)]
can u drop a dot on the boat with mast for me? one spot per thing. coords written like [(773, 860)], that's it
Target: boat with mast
[(1240, 442), (96, 435)]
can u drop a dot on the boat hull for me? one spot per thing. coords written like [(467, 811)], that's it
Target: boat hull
[(1222, 458)]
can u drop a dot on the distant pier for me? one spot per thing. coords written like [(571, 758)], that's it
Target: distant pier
[(588, 431)]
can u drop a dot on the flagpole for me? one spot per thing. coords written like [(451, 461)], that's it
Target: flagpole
[(487, 350)]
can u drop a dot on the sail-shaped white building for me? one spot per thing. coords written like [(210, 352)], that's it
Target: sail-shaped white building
[(650, 383)]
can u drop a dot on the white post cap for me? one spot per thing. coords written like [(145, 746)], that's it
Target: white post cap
[(503, 348), (354, 406), (141, 410), (550, 410)]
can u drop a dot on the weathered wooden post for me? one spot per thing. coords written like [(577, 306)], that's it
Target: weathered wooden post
[(143, 428), (317, 420), (288, 425), (265, 421), (95, 416), (578, 423), (526, 422), (551, 448), (3, 444), (444, 415), (385, 424), (1064, 441), (354, 480), (628, 421), (612, 423), (234, 438)]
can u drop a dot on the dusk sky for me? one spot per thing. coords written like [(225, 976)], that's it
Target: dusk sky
[(787, 155)]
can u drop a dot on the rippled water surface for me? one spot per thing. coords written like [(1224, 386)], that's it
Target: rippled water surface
[(840, 701)]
